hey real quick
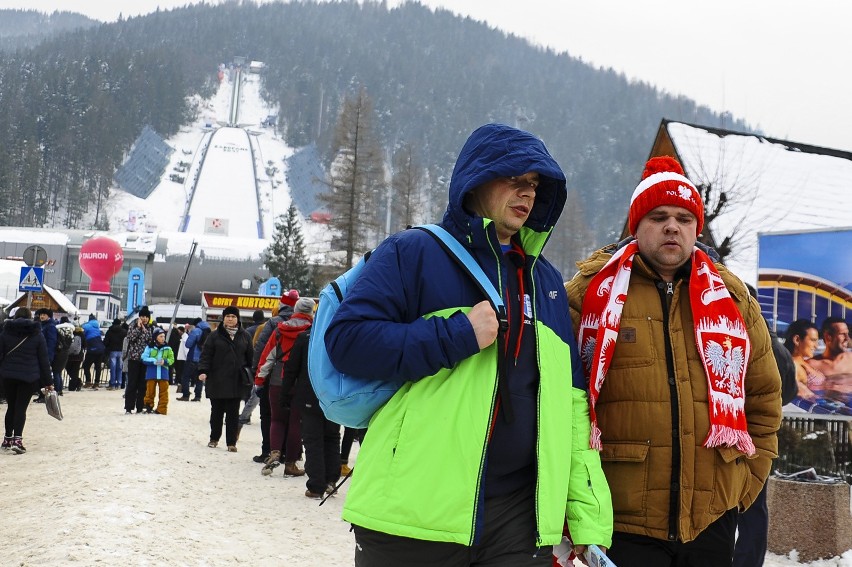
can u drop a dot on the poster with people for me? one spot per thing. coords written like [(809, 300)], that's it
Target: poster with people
[(805, 293)]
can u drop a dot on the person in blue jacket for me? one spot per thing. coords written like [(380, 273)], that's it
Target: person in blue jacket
[(482, 455), (95, 351), (51, 337), (194, 344), (48, 329), (158, 358)]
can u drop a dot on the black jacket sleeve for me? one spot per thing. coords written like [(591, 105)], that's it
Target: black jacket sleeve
[(294, 367), (787, 369)]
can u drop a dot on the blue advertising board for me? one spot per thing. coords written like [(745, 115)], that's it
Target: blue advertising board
[(805, 275), (805, 293)]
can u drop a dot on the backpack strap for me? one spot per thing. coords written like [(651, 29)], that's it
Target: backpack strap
[(14, 348), (464, 259), (336, 287)]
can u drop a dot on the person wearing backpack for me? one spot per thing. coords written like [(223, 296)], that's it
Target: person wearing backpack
[(76, 354), (261, 397), (285, 435), (482, 454), (320, 435)]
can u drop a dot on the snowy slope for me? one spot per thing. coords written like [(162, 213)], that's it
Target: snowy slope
[(226, 188), (225, 199)]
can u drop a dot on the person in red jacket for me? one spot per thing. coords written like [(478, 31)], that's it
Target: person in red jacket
[(284, 427)]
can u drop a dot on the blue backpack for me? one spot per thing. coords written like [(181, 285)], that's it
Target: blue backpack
[(351, 400)]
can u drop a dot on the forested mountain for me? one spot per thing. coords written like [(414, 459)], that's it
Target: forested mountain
[(26, 28), (71, 106)]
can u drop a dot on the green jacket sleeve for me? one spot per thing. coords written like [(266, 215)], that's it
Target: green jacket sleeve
[(169, 356), (589, 508)]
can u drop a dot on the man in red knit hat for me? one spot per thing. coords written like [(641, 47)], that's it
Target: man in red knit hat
[(684, 389)]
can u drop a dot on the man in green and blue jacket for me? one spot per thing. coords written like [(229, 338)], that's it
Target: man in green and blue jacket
[(471, 463)]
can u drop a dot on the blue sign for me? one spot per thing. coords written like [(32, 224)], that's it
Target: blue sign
[(32, 279), (272, 286), (135, 290)]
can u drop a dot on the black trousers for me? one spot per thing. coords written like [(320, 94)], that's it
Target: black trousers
[(753, 526), (321, 439), (508, 540), (96, 358), (265, 420), (714, 547), (134, 394), (229, 408), (72, 367), (177, 372), (18, 395), (350, 435)]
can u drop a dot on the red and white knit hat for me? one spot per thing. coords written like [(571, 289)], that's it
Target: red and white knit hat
[(289, 298), (664, 183)]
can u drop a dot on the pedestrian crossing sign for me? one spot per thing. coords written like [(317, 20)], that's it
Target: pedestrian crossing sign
[(31, 278)]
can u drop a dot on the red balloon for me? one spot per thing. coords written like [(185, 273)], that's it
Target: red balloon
[(100, 259)]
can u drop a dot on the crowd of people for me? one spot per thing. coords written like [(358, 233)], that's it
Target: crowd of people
[(632, 408), (142, 359)]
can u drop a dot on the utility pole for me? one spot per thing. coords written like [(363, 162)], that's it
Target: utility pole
[(179, 293)]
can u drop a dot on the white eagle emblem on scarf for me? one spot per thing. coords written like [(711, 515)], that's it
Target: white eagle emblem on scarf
[(726, 364)]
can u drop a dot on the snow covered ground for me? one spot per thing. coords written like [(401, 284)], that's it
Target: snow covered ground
[(104, 488)]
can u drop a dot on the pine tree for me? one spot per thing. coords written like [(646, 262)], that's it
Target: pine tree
[(572, 239), (285, 257), (407, 183), (355, 180)]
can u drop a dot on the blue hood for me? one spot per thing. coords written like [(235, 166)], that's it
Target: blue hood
[(497, 150)]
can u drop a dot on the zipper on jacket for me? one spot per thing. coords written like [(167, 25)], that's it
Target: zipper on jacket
[(666, 290), (474, 536), (505, 403), (533, 295)]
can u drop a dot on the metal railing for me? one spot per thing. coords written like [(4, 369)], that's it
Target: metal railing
[(821, 442)]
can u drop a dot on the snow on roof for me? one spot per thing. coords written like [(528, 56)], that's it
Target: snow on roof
[(771, 186), (28, 236), (214, 247), (64, 303)]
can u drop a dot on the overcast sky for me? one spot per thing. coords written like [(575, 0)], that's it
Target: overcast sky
[(782, 65)]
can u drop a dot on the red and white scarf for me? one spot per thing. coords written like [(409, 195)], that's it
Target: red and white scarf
[(720, 336)]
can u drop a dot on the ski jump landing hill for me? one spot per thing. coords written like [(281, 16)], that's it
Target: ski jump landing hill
[(224, 196)]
